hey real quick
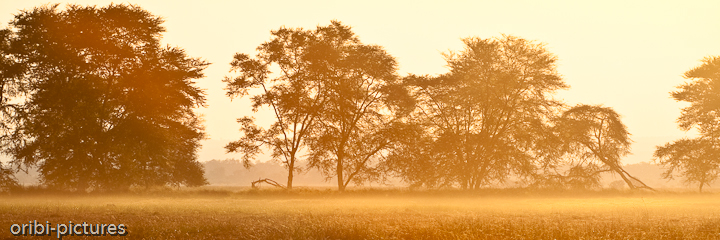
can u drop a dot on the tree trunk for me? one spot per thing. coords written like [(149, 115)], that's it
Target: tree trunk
[(701, 185), (623, 174), (291, 171), (627, 180), (341, 185)]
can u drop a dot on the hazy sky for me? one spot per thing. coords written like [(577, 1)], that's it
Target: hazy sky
[(627, 55)]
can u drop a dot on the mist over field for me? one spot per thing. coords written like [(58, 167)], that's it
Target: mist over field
[(360, 120), (230, 172)]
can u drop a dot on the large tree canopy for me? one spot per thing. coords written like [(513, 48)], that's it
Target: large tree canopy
[(330, 92), (106, 105), (485, 117)]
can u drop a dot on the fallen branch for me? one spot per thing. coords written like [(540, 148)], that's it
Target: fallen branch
[(268, 181)]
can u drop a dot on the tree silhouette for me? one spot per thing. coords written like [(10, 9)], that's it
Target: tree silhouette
[(10, 87), (106, 106), (11, 71), (355, 126), (596, 133), (697, 159), (295, 96), (328, 94), (485, 118)]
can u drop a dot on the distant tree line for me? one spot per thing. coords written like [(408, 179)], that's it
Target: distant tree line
[(91, 99)]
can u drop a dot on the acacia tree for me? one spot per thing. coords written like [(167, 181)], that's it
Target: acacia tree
[(106, 106), (697, 159), (294, 95), (356, 122), (694, 159), (485, 117), (596, 134)]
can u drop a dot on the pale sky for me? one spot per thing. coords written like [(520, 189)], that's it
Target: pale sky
[(627, 55)]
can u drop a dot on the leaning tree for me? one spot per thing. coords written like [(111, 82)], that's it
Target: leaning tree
[(595, 134)]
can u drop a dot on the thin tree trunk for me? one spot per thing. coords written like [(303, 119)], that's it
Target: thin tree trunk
[(701, 185), (291, 170), (627, 180), (341, 185)]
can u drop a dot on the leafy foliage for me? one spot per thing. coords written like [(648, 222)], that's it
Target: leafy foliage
[(329, 93), (107, 106), (485, 118), (703, 94), (362, 91), (697, 159), (295, 96)]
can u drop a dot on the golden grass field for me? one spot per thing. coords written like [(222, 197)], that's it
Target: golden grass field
[(377, 214)]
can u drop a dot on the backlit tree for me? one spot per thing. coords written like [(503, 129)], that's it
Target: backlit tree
[(485, 118), (106, 105), (698, 159)]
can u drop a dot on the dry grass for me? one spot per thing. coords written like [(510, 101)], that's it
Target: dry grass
[(321, 214)]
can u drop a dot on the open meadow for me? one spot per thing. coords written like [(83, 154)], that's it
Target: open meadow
[(376, 214)]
